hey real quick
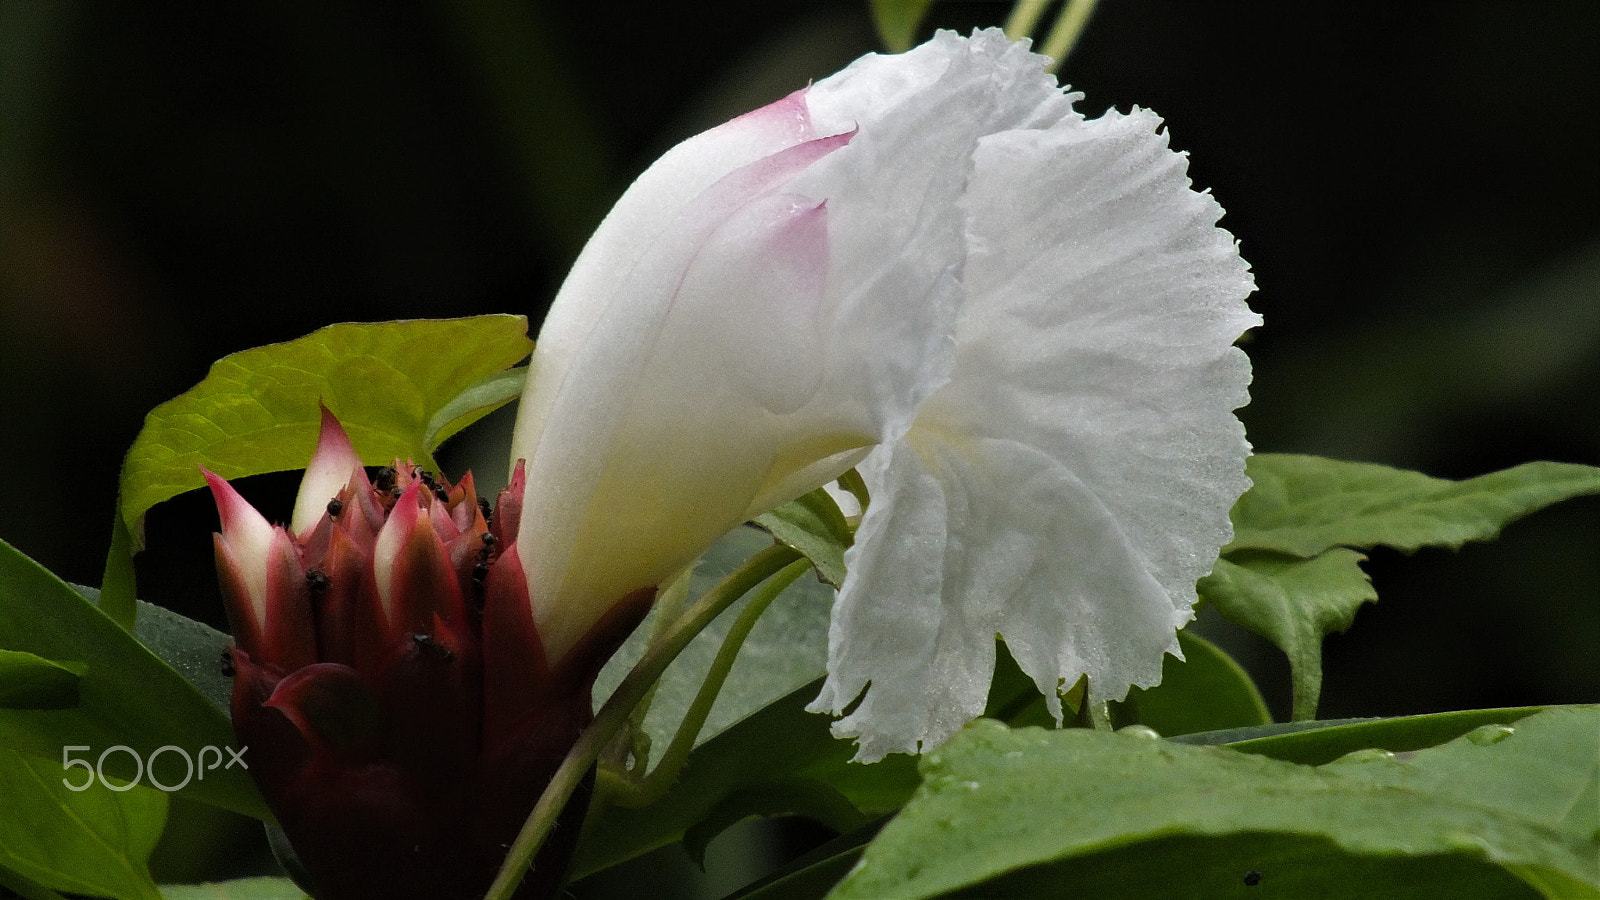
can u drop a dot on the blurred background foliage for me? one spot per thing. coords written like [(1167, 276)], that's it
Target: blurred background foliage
[(1414, 183)]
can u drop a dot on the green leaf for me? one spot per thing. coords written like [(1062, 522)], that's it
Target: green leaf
[(127, 696), (1292, 603), (33, 682), (787, 649), (813, 526), (25, 888), (1304, 505), (813, 874), (256, 411), (193, 649), (240, 889), (812, 799), (1075, 813), (1397, 735), (774, 761), (95, 841), (897, 21), (1204, 691), (473, 403)]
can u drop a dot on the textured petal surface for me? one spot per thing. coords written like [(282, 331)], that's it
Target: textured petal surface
[(1073, 477), (1018, 321), (767, 329)]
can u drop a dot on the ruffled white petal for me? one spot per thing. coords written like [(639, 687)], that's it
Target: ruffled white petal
[(1073, 477), (1029, 315), (719, 351)]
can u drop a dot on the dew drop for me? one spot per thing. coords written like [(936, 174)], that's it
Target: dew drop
[(1370, 754), (1484, 735), (1140, 731)]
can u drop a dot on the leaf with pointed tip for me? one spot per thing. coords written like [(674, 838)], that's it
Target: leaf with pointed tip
[(33, 682), (1293, 603), (257, 410), (473, 403), (812, 525), (1305, 505), (1332, 739), (1084, 813)]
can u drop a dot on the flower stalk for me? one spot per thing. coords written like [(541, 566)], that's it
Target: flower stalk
[(580, 761)]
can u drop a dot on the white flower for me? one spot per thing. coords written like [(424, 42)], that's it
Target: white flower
[(1017, 321)]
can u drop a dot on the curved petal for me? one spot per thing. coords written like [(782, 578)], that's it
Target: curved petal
[(1074, 475)]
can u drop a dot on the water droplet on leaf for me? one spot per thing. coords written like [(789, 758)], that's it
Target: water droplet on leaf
[(1484, 735), (1140, 731)]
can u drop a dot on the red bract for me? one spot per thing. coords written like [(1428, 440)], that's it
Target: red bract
[(391, 685)]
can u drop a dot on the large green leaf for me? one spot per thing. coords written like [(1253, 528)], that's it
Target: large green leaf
[(95, 841), (256, 411), (1293, 603), (897, 21), (1304, 505), (1204, 691), (241, 889), (1083, 813), (127, 696)]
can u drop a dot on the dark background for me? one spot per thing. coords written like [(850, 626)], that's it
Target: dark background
[(1414, 184)]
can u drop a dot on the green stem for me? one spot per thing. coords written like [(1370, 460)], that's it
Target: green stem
[(653, 786), (1099, 715), (118, 587), (1305, 672), (1064, 34), (669, 606), (616, 711), (1024, 18)]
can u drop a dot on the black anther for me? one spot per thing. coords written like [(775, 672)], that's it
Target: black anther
[(317, 581), (426, 644)]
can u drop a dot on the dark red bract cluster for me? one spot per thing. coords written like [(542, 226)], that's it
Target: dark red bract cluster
[(400, 714)]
